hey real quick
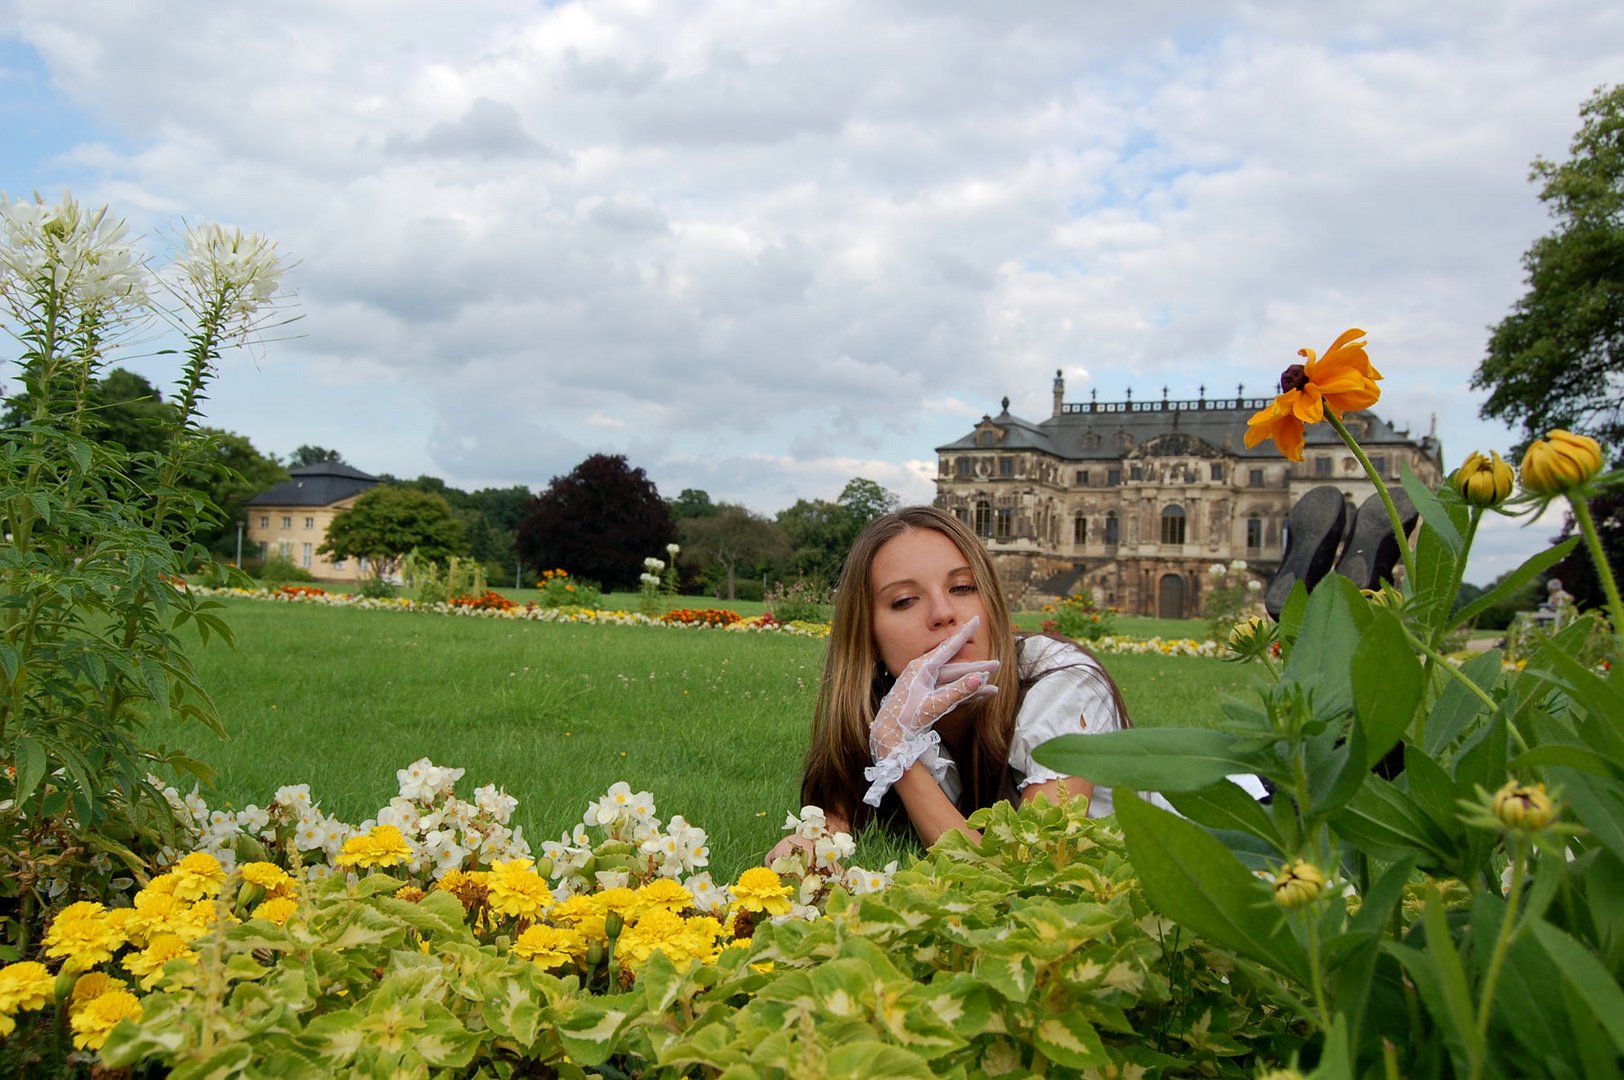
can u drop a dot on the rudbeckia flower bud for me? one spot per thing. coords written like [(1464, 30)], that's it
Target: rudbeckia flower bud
[(1520, 806), (1244, 637), (1298, 884), (1483, 481), (1560, 461)]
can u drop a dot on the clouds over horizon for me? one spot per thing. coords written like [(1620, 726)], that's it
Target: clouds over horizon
[(763, 248)]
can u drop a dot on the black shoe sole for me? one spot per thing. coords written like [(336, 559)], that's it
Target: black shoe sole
[(1372, 550), (1313, 530)]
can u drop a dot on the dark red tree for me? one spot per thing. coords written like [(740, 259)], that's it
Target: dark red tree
[(600, 522)]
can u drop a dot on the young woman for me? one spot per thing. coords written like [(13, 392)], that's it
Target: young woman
[(930, 707)]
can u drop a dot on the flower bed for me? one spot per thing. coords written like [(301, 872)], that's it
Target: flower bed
[(701, 617)]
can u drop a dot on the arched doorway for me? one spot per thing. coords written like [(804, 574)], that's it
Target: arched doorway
[(1170, 597)]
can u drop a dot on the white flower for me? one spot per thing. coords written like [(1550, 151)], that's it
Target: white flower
[(239, 271), (251, 819), (649, 579), (810, 825), (707, 897), (1216, 569), (827, 851), (612, 879), (1254, 585), (310, 834), (859, 881), (653, 565), (672, 549), (495, 802), (419, 780), (295, 796), (1237, 565)]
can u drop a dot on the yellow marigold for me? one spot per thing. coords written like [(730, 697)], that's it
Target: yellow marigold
[(516, 889), (92, 985), (278, 909), (25, 986), (759, 889), (93, 1023), (155, 913), (383, 846), (1297, 884), (1341, 381), (198, 875), (1523, 806), (409, 893), (657, 929), (548, 946), (148, 964), (664, 893), (1560, 461), (471, 888), (1483, 481), (270, 877), (163, 883), (82, 933), (621, 901)]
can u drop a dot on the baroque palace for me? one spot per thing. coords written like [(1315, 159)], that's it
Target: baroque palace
[(1135, 500)]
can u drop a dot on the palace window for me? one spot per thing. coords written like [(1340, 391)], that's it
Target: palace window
[(265, 521), (1136, 472), (1082, 477), (1322, 466), (1379, 463), (1006, 467), (983, 522), (1005, 516), (1111, 527), (287, 521), (1079, 529), (963, 514), (310, 523), (305, 555), (1254, 533), (1255, 477), (1173, 525), (1217, 472), (1113, 477)]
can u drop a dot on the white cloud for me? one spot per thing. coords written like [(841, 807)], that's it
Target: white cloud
[(763, 249)]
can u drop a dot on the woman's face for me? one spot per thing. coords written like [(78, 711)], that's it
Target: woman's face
[(923, 590)]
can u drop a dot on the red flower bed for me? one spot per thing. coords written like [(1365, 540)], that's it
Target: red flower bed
[(489, 601), (701, 616), (296, 591)]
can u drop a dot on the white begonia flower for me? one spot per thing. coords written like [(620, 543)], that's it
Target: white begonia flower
[(810, 825), (612, 879), (310, 834), (859, 882), (251, 819), (707, 897), (318, 872), (497, 803), (803, 912), (811, 886), (829, 850), (295, 796), (403, 814), (197, 808), (418, 781)]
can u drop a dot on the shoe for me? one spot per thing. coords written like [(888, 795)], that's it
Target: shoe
[(1313, 530), (1372, 550)]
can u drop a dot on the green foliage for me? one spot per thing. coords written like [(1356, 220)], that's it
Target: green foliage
[(386, 523), (429, 583), (1435, 968), (821, 532), (798, 601), (560, 589), (730, 540), (1079, 617), (1555, 361), (91, 598), (279, 570)]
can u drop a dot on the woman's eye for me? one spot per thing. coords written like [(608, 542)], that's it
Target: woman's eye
[(963, 588), (901, 603)]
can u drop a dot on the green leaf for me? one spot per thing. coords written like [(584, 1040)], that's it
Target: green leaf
[(588, 1027), (9, 661), (1329, 636), (1378, 902), (1432, 593), (1433, 514), (1068, 1040), (1433, 790), (1190, 877), (1596, 986), (1387, 684), (1455, 992), (1225, 806), (1457, 706), (1292, 613), (1382, 821), (31, 765), (1515, 580), (871, 1058), (1569, 756), (439, 913), (1148, 759)]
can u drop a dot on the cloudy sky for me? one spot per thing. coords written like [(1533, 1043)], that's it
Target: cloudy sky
[(761, 248)]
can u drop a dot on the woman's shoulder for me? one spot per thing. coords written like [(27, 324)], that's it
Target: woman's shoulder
[(1041, 654)]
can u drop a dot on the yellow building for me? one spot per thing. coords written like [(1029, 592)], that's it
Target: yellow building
[(1137, 499), (291, 518)]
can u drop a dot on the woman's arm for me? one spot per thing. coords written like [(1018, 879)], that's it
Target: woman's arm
[(1054, 790), (928, 806)]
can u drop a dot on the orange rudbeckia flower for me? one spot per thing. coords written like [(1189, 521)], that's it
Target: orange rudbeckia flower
[(1341, 381)]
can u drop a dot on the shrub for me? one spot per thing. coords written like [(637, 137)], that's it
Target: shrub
[(559, 589), (279, 569), (798, 601), (431, 583), (1078, 617)]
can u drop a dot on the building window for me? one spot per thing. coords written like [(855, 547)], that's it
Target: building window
[(1322, 466), (1079, 530), (1111, 527), (1005, 515), (1113, 477), (1173, 525), (1136, 472), (1217, 472), (338, 564), (983, 523), (963, 468), (287, 521), (1254, 533), (361, 563), (963, 514), (1379, 463), (265, 521), (310, 523), (1255, 477), (305, 554), (1082, 477), (1006, 467), (263, 548)]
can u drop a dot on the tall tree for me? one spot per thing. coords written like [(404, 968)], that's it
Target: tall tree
[(599, 522), (387, 522), (866, 500), (732, 538), (313, 455), (820, 532), (693, 503), (1558, 359), (122, 407)]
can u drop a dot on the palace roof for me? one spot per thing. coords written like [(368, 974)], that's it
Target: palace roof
[(321, 484)]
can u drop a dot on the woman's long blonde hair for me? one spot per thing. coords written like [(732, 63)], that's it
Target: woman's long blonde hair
[(853, 679)]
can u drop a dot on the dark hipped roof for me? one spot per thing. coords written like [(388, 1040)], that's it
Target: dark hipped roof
[(322, 484), (1093, 431)]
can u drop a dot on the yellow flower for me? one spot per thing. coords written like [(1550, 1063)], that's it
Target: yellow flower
[(664, 893), (82, 933), (1526, 807), (620, 901), (155, 913), (198, 875), (1297, 884), (471, 888), (1483, 481), (163, 883), (548, 946), (383, 846), (759, 889), (270, 877), (1341, 381), (516, 889), (148, 964), (1244, 636), (277, 909), (25, 986), (1560, 461), (93, 1023), (92, 985)]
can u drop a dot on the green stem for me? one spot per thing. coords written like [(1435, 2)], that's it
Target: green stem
[(1604, 572), (1387, 499), (1317, 977), (1502, 944)]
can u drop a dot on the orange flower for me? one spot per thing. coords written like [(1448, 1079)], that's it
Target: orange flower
[(1342, 380)]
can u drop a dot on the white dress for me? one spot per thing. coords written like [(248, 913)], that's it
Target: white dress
[(1071, 695)]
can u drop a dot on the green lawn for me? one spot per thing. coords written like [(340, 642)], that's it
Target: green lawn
[(713, 723)]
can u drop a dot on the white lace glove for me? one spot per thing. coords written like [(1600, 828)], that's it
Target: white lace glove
[(928, 689)]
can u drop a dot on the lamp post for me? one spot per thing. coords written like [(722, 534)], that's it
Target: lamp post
[(240, 525)]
